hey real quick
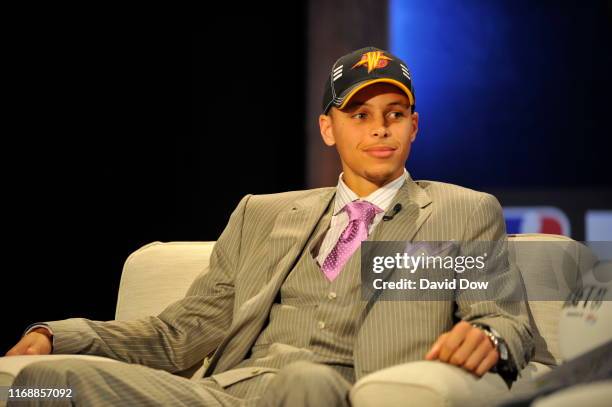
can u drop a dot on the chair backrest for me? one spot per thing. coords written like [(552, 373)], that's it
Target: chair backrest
[(586, 321), (158, 274), (552, 267)]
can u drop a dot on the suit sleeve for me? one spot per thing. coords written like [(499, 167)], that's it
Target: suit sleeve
[(181, 335), (508, 313)]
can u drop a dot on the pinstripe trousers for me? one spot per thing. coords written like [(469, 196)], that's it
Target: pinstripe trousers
[(104, 384)]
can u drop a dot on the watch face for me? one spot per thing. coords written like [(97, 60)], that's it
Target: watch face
[(501, 345), (503, 351)]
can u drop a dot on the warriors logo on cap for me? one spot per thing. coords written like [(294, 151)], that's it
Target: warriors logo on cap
[(373, 60)]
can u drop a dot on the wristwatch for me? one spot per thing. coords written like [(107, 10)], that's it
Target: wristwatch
[(498, 342), (505, 366)]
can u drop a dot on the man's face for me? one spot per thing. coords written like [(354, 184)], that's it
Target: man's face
[(372, 134)]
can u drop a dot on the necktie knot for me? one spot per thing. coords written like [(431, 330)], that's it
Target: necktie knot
[(361, 210), (361, 214)]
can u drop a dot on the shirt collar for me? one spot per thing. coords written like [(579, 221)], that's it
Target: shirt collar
[(382, 197)]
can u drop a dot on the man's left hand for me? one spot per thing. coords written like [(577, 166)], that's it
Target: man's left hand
[(465, 346)]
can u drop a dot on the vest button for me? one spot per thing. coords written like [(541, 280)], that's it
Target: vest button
[(321, 325), (332, 295)]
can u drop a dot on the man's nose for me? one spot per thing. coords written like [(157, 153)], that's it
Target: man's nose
[(380, 130)]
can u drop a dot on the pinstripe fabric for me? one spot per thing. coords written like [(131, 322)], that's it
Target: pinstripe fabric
[(227, 308), (312, 319), (121, 384)]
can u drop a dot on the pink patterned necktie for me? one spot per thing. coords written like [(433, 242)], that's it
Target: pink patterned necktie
[(361, 214)]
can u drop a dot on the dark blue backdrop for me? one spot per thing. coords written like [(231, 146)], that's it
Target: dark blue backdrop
[(510, 93)]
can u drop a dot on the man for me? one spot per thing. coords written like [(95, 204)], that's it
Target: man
[(280, 309)]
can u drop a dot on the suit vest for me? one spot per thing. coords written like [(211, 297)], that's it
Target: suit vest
[(313, 318)]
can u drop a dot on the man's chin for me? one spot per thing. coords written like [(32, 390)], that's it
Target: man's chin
[(382, 176)]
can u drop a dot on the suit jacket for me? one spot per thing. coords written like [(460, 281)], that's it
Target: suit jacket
[(226, 308)]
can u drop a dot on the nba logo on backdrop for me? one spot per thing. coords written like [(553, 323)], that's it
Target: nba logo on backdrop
[(536, 219)]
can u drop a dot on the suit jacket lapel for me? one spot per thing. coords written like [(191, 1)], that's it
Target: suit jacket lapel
[(404, 226), (406, 223), (289, 235)]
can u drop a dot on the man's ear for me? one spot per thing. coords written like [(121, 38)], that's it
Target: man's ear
[(415, 126), (327, 132)]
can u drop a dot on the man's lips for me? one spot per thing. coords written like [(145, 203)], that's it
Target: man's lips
[(380, 151)]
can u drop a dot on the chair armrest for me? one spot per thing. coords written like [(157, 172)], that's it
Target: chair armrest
[(430, 383)]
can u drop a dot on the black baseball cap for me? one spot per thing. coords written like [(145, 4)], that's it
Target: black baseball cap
[(361, 68)]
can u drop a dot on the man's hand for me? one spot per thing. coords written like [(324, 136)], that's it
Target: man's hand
[(465, 346), (37, 342)]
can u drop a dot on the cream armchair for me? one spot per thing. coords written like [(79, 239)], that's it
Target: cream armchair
[(160, 273)]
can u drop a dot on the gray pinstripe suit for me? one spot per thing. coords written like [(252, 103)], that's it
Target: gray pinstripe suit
[(226, 309)]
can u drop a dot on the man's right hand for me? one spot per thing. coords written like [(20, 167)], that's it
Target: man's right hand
[(37, 342)]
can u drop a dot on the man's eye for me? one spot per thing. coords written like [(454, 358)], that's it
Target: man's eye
[(359, 116), (396, 115)]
